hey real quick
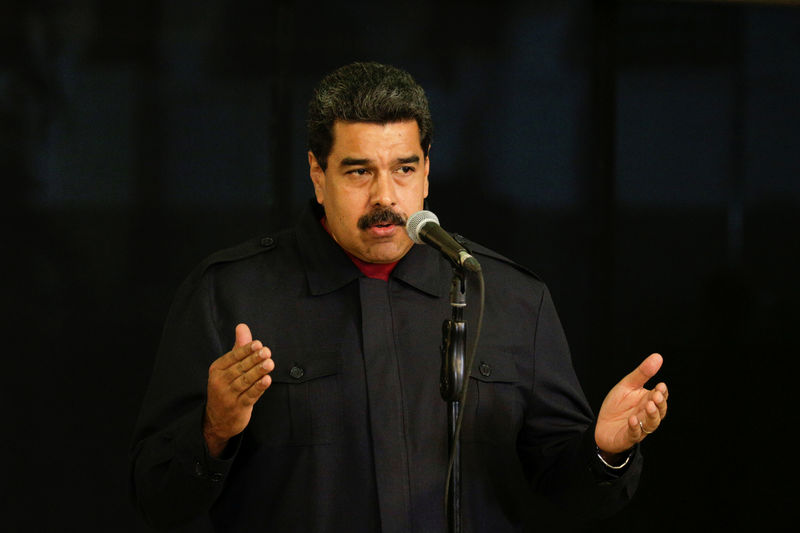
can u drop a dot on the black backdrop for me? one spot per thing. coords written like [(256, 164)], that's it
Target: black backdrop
[(641, 156)]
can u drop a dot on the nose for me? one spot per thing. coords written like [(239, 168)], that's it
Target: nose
[(382, 192)]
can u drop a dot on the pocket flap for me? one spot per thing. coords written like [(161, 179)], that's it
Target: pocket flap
[(306, 368), (497, 368)]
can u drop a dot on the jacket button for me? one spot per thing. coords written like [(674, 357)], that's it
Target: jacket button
[(485, 369), (296, 372), (267, 241), (216, 477)]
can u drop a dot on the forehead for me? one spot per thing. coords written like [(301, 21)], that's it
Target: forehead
[(371, 136)]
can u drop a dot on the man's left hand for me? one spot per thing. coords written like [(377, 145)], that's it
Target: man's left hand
[(630, 412)]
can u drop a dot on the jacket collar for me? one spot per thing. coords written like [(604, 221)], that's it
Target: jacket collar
[(425, 269), (328, 268)]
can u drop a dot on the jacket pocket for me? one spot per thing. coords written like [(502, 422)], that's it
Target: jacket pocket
[(494, 407), (303, 406)]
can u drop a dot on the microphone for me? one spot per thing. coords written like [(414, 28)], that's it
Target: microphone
[(423, 227)]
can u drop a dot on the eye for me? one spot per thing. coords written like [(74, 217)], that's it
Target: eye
[(358, 172), (406, 169)]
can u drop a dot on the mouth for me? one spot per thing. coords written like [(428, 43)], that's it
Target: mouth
[(382, 222), (384, 229)]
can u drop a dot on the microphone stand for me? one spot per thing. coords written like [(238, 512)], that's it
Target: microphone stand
[(453, 351)]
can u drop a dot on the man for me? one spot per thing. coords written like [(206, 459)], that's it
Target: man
[(331, 419)]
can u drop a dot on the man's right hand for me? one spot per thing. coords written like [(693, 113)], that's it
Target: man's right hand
[(235, 382)]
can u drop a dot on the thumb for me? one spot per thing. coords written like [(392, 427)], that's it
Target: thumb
[(646, 370), (243, 335)]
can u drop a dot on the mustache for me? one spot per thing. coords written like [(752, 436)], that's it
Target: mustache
[(381, 215)]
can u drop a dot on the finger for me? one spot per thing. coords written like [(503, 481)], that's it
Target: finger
[(646, 370), (253, 359), (254, 392), (634, 429), (243, 335), (236, 355), (242, 367), (662, 388), (243, 346), (650, 419), (660, 399), (261, 365)]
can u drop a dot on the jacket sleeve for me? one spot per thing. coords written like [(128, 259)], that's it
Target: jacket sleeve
[(556, 444), (173, 478)]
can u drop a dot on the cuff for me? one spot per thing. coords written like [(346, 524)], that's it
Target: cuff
[(194, 451), (605, 470)]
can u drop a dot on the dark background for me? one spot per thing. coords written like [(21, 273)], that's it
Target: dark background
[(640, 156)]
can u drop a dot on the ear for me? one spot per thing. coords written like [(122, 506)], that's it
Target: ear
[(317, 177)]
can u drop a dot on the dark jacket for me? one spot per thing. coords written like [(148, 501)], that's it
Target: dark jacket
[(352, 434)]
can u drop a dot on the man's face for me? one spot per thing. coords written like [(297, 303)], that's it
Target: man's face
[(377, 176)]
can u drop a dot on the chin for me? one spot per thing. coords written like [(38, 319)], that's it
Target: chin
[(387, 253)]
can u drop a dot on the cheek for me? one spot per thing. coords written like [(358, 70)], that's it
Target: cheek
[(419, 195), (341, 207)]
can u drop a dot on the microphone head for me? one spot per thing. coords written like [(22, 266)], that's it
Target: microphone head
[(415, 223)]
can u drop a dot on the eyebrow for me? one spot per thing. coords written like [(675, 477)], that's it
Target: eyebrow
[(352, 161), (409, 159)]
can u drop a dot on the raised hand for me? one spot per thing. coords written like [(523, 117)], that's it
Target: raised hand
[(630, 412), (235, 382)]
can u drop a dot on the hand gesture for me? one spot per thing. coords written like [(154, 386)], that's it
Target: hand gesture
[(630, 412), (235, 382)]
